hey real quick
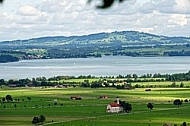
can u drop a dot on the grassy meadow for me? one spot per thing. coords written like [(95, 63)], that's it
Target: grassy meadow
[(91, 111)]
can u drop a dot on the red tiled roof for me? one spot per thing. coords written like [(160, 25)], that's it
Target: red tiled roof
[(113, 104)]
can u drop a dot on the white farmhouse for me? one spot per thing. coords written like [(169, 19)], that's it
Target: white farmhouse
[(114, 107)]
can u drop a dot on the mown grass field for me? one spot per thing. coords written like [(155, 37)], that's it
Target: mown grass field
[(91, 111)]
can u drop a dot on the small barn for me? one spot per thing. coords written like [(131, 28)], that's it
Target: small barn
[(75, 98), (148, 89), (114, 107), (103, 97)]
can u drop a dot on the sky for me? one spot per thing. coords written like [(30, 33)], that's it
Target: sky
[(24, 19)]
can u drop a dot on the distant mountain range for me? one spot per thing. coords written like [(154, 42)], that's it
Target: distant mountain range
[(124, 43), (126, 38)]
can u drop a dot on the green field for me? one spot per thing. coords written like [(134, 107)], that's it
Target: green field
[(91, 111)]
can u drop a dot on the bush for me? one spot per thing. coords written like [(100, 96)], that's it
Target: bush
[(186, 100)]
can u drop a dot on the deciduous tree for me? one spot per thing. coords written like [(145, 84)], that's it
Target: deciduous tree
[(126, 106), (3, 100), (39, 119), (150, 106), (35, 120), (9, 98), (184, 124), (42, 118), (177, 102)]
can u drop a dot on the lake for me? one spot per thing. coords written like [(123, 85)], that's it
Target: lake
[(105, 66)]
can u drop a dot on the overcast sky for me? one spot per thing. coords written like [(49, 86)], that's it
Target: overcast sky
[(23, 19)]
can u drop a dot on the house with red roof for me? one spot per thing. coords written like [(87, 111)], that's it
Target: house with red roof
[(114, 107)]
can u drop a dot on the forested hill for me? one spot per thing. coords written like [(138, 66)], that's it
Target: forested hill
[(125, 43), (129, 38)]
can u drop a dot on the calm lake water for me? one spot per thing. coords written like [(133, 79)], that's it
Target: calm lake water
[(105, 66)]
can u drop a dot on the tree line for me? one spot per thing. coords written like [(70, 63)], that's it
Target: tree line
[(107, 81), (90, 50), (8, 58)]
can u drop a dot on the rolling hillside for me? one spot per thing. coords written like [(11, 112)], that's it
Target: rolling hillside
[(125, 43), (121, 38)]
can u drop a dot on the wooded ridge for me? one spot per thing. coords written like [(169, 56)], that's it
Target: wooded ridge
[(125, 43)]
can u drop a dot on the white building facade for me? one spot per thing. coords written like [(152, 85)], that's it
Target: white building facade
[(114, 107)]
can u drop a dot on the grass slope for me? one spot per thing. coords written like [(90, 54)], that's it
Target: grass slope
[(90, 111)]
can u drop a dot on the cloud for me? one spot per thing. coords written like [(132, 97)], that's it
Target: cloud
[(178, 19), (182, 6), (147, 8), (167, 6), (66, 17), (27, 11)]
